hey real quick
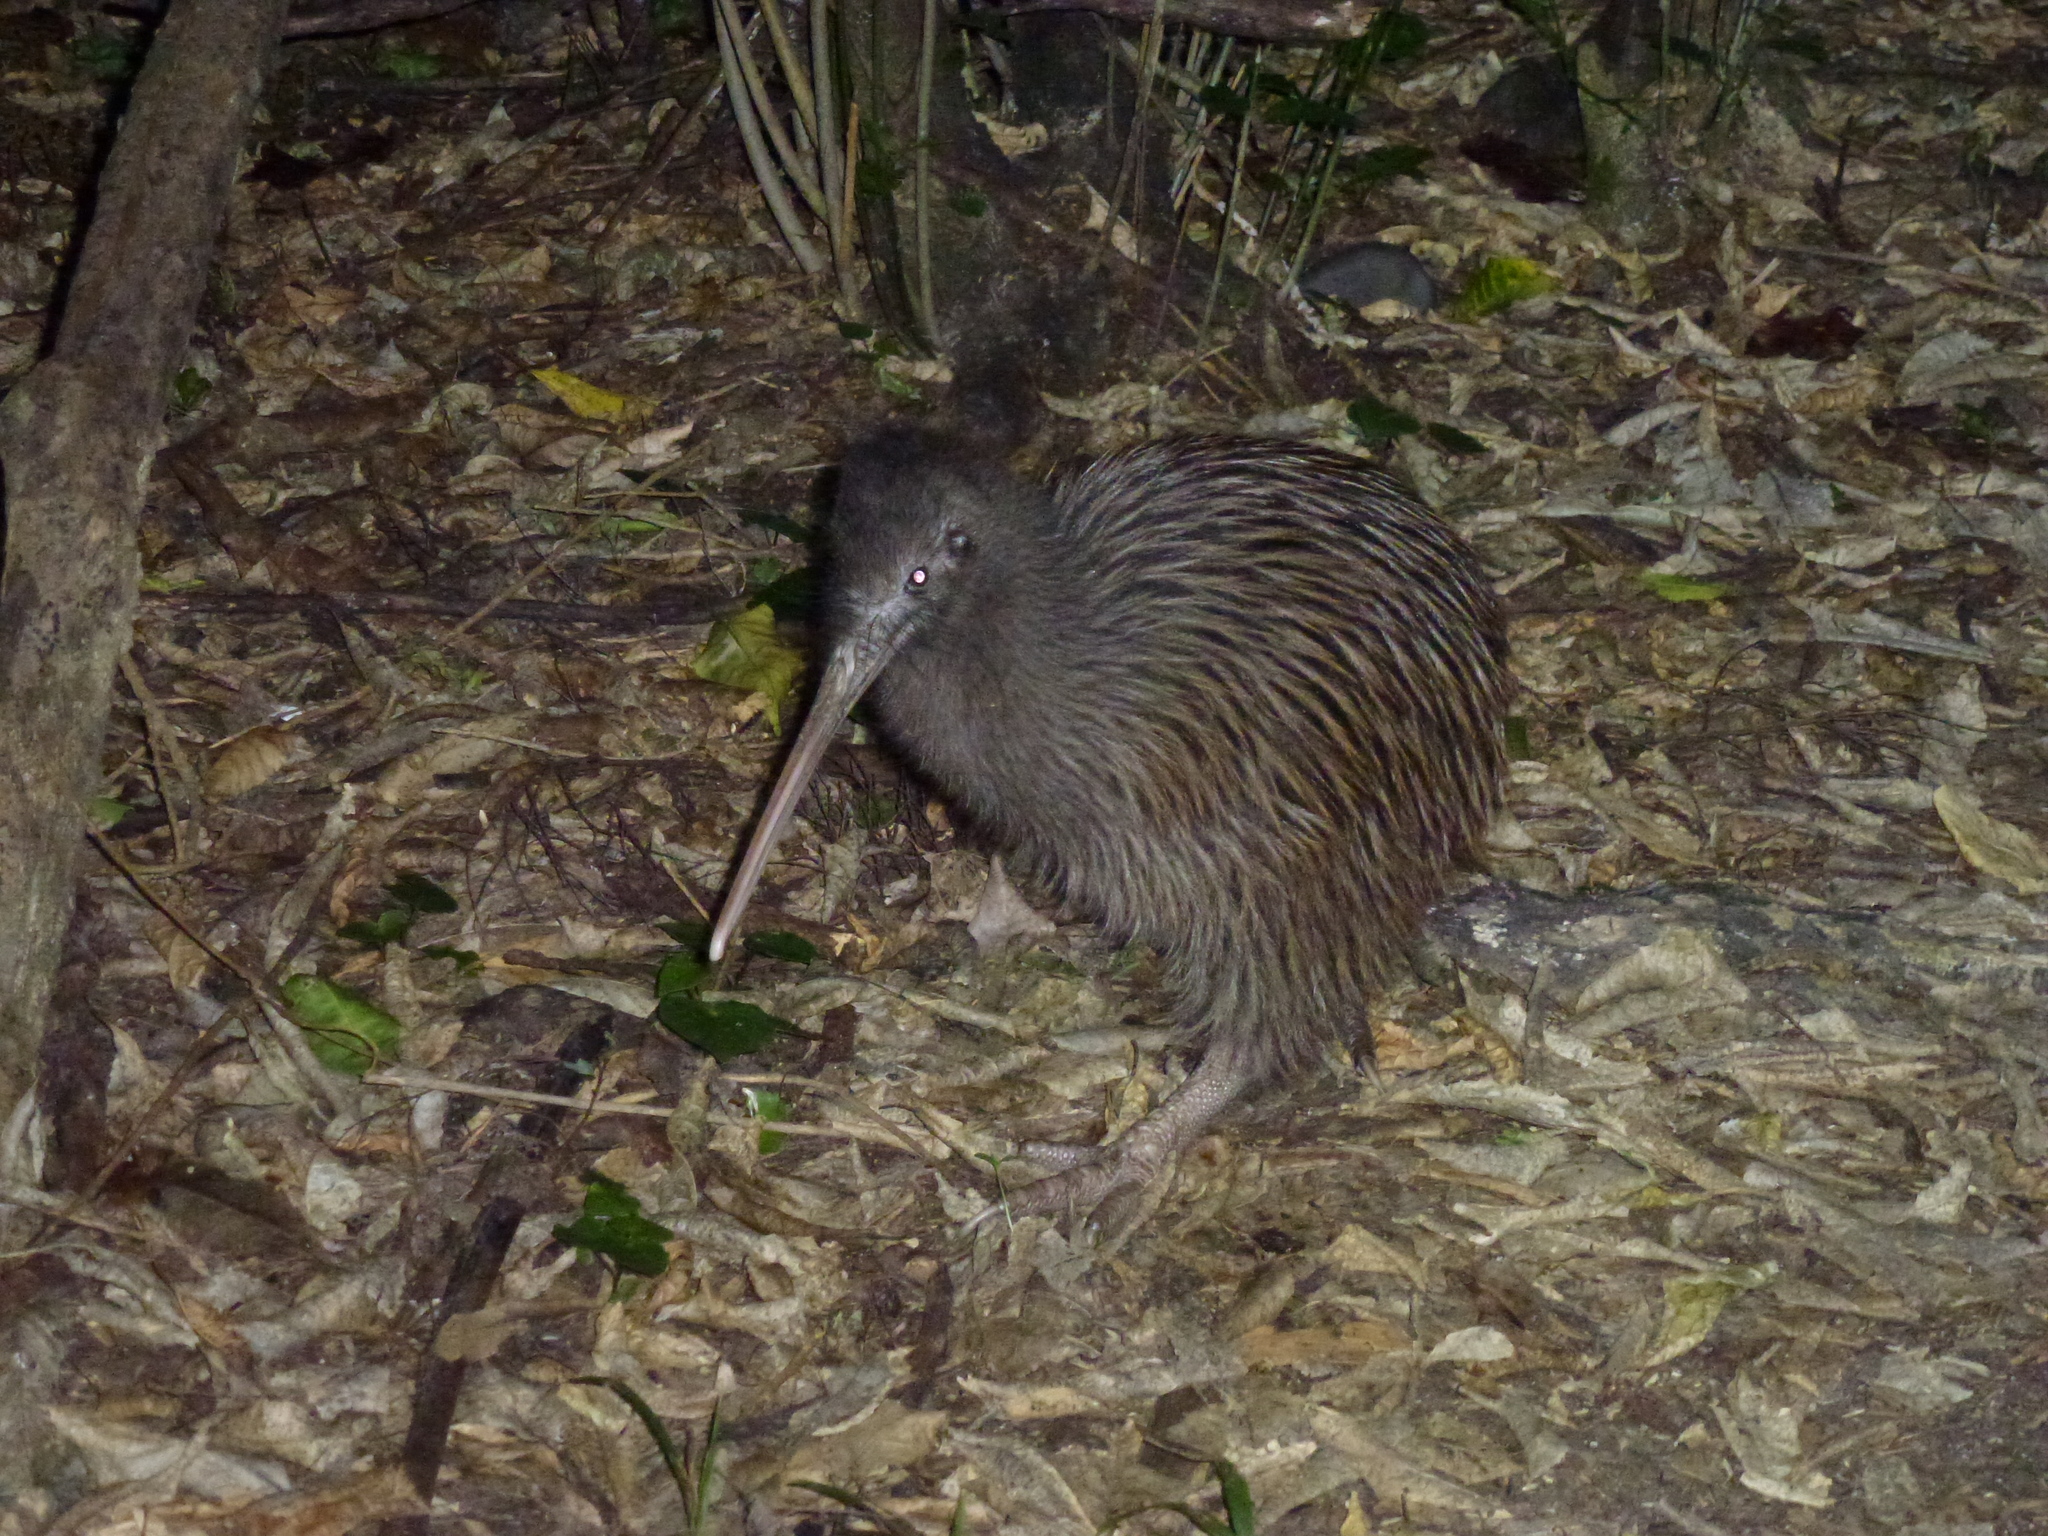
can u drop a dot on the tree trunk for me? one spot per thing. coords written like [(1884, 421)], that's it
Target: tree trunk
[(76, 439)]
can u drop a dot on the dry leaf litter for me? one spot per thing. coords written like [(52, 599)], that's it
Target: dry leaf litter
[(1703, 1185)]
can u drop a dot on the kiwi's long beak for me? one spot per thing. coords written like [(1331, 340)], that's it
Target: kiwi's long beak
[(853, 665)]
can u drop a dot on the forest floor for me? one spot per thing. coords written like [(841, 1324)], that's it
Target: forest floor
[(1702, 1187)]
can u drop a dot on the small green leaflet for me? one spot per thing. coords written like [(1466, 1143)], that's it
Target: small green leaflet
[(1377, 422), (1451, 440), (612, 1227), (1684, 589), (1499, 282), (743, 652), (1398, 36), (791, 595), (782, 946), (782, 527), (105, 812), (1239, 1517), (346, 1030), (1306, 112), (189, 389), (413, 896), (409, 64), (1237, 1498), (1388, 161), (724, 1030), (768, 1106), (684, 970), (387, 927)]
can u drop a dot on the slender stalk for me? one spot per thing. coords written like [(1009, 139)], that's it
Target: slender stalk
[(835, 167), (764, 113), (1127, 167), (852, 159), (730, 52), (1349, 72), (1223, 226), (1198, 137), (921, 196), (792, 69)]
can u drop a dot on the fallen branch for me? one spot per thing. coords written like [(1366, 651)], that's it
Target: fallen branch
[(76, 438)]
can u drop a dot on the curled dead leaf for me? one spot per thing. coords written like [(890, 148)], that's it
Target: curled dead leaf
[(1997, 847), (252, 758)]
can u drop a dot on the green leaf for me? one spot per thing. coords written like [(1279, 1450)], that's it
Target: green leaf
[(782, 527), (853, 330), (1499, 282), (105, 813), (782, 946), (1237, 1498), (1451, 440), (416, 891), (1397, 35), (675, 1460), (724, 1030), (1324, 116), (685, 970), (674, 18), (1377, 422), (612, 1227), (901, 388), (346, 1030), (877, 178), (189, 389), (388, 927), (1684, 589), (409, 64), (106, 56), (1516, 728), (765, 1105), (743, 652), (468, 959), (1223, 101), (792, 595), (968, 203), (693, 933), (1388, 161)]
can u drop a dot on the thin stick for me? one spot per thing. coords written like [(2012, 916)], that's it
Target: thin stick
[(792, 70), (1127, 168), (758, 157), (835, 167), (843, 254), (927, 48), (764, 111), (1223, 224)]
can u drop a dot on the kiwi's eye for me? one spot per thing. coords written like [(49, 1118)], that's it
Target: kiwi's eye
[(917, 580), (958, 542)]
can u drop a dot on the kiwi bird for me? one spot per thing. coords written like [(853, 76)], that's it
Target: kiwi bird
[(1240, 700)]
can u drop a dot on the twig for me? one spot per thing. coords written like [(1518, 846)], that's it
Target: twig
[(731, 51)]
